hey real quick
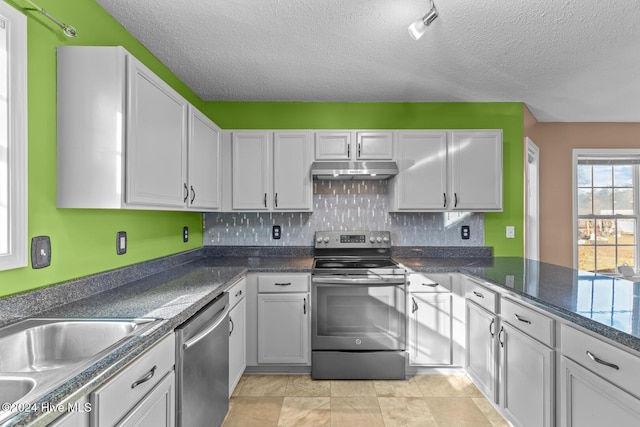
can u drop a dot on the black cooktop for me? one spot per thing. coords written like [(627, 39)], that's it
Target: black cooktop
[(361, 263)]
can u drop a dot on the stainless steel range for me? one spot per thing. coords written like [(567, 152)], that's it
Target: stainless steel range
[(358, 320)]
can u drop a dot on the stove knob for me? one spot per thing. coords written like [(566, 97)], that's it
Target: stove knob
[(372, 239), (379, 239), (326, 239), (319, 240), (385, 239)]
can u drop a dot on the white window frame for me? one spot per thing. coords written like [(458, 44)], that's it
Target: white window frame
[(600, 152), (16, 27)]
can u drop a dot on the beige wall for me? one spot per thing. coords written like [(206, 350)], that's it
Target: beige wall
[(556, 141)]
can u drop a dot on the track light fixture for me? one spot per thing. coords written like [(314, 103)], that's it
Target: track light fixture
[(418, 28)]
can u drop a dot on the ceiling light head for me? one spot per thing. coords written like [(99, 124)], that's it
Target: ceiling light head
[(418, 28)]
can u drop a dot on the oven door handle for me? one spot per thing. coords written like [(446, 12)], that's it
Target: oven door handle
[(382, 281)]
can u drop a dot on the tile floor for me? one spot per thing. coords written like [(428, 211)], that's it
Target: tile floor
[(297, 400)]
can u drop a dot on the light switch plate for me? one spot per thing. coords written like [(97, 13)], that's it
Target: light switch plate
[(511, 232), (40, 252), (121, 242)]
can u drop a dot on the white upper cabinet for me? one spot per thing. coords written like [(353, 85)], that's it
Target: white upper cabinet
[(124, 137), (448, 170), (251, 160), (204, 162), (350, 145), (271, 171), (333, 145), (156, 135), (422, 161), (476, 170), (374, 145), (292, 188)]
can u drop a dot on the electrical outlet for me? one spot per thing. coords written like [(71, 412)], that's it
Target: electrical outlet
[(509, 280), (40, 252), (276, 232), (511, 232), (465, 232), (185, 234), (121, 242)]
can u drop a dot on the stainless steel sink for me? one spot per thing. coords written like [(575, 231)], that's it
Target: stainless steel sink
[(40, 345), (13, 389), (37, 355)]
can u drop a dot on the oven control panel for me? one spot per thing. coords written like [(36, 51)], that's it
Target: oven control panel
[(353, 239)]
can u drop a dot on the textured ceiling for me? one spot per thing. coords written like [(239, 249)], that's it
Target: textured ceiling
[(568, 60)]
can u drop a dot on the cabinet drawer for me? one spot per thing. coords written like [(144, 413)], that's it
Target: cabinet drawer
[(283, 283), (113, 400), (528, 320), (237, 292), (578, 346), (421, 283), (482, 296)]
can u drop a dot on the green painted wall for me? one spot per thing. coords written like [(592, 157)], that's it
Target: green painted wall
[(505, 116), (83, 241)]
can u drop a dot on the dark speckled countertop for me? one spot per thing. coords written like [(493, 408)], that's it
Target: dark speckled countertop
[(176, 287)]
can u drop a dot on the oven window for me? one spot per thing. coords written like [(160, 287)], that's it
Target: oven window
[(345, 311)]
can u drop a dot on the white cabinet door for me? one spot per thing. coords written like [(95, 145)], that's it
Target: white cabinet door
[(421, 183), (157, 409), (156, 133), (237, 343), (374, 145), (476, 170), (430, 329), (481, 348), (333, 145), (586, 400), (283, 328), (291, 171), (527, 378), (251, 170), (204, 162)]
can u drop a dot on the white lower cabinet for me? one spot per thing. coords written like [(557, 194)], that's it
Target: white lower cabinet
[(599, 382), (143, 394), (481, 361), (237, 333), (589, 401), (527, 378), (284, 316), (429, 321)]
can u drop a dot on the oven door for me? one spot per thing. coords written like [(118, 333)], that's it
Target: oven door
[(366, 313)]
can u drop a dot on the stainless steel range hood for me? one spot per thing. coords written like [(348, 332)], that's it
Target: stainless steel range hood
[(354, 170)]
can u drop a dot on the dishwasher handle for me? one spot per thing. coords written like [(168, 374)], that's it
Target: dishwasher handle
[(193, 341)]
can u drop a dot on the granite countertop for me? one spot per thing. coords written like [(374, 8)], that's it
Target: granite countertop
[(173, 295), (185, 284), (606, 305)]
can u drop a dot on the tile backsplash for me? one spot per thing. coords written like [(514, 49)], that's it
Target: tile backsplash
[(343, 205)]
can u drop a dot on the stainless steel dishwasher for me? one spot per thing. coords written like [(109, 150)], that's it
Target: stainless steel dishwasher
[(202, 366)]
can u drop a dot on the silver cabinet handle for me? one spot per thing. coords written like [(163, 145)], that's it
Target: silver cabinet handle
[(359, 150), (602, 362), (232, 326), (145, 378), (186, 193), (445, 200), (193, 341), (283, 284), (265, 200), (493, 321), (455, 205), (239, 293), (431, 285), (193, 194), (478, 294), (500, 335), (276, 200), (348, 150), (414, 306), (522, 319), (304, 306)]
